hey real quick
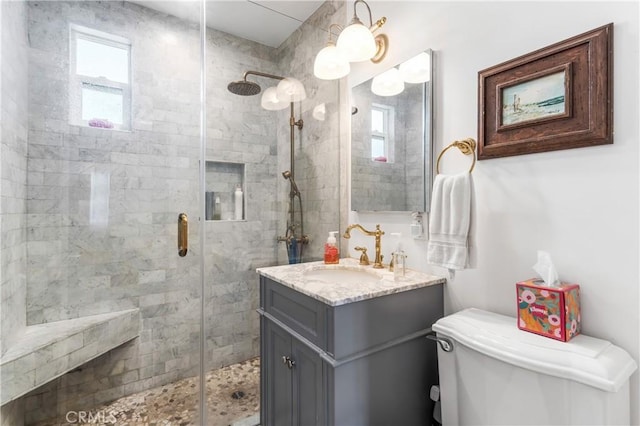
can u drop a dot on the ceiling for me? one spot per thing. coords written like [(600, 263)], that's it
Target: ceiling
[(268, 22)]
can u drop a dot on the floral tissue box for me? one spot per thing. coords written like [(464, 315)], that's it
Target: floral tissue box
[(549, 311)]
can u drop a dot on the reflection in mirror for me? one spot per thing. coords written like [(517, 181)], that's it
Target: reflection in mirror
[(391, 139)]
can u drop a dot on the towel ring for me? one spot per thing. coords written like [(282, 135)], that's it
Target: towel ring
[(466, 146)]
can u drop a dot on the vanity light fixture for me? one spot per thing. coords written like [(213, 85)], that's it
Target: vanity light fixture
[(389, 83), (355, 43)]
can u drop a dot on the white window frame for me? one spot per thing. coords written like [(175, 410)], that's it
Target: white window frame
[(77, 81), (387, 135)]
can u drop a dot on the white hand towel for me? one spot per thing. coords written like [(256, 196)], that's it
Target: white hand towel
[(449, 220)]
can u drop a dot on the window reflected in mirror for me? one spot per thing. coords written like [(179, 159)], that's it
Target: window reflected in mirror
[(382, 117)]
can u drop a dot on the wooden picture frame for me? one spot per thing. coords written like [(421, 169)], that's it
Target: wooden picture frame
[(558, 97)]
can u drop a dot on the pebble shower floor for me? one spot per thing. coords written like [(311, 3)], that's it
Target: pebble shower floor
[(175, 404)]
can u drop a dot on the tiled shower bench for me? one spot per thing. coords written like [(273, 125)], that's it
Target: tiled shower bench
[(47, 351)]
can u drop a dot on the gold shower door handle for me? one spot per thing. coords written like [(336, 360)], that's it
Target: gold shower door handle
[(183, 234)]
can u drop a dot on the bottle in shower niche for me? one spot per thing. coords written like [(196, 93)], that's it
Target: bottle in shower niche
[(238, 202), (210, 205), (217, 212), (331, 251)]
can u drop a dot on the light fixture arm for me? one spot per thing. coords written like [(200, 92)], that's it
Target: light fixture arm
[(372, 27), (355, 15), (382, 42), (330, 33)]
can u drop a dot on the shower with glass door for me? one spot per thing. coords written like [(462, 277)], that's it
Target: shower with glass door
[(122, 300)]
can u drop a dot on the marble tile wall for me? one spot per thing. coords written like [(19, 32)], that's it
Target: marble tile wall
[(317, 146), (13, 171), (13, 182), (239, 131)]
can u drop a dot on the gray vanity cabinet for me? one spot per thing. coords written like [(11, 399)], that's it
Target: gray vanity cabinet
[(358, 363), (293, 373)]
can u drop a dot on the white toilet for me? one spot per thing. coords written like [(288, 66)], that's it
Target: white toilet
[(492, 373)]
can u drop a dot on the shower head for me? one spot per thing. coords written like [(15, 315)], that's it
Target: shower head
[(244, 87), (286, 174), (249, 88)]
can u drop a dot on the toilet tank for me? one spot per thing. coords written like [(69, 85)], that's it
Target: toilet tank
[(497, 374)]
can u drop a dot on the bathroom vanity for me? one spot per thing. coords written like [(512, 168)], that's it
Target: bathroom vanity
[(344, 345)]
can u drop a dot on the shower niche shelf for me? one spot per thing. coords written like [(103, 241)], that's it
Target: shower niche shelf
[(222, 180)]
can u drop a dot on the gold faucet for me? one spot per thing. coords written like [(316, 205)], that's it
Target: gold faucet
[(377, 264)]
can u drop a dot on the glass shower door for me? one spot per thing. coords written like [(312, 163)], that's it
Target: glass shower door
[(102, 131)]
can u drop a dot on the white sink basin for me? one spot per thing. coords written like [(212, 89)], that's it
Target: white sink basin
[(342, 275)]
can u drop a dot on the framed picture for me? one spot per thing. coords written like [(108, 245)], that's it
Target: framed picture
[(557, 97)]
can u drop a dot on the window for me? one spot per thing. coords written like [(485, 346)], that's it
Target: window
[(100, 79), (382, 117)]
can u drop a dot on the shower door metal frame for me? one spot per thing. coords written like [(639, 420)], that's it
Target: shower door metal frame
[(202, 390)]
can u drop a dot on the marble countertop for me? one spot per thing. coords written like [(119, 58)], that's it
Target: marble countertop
[(341, 293)]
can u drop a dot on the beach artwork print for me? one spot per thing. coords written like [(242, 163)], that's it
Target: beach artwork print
[(534, 99)]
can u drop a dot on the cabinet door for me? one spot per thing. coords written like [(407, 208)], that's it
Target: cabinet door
[(308, 400), (277, 386)]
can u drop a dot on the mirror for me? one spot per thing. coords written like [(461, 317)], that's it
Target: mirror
[(391, 136)]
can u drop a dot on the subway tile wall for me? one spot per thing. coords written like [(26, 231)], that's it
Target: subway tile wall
[(317, 145), (13, 151)]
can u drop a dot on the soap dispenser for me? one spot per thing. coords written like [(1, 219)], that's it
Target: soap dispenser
[(398, 262), (331, 252)]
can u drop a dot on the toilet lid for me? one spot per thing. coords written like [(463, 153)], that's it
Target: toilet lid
[(584, 359)]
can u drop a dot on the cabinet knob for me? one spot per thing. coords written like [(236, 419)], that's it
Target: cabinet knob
[(288, 361)]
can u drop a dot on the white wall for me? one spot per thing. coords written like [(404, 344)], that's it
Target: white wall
[(581, 205)]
